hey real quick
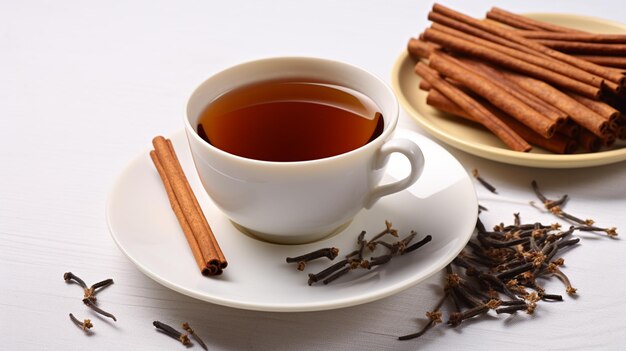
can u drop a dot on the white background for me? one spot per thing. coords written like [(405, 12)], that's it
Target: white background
[(84, 86)]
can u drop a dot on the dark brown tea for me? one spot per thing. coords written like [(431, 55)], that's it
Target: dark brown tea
[(290, 121)]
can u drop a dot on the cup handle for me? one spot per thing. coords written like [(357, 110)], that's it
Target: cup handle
[(412, 152)]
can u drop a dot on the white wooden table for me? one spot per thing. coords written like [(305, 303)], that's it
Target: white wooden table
[(84, 86)]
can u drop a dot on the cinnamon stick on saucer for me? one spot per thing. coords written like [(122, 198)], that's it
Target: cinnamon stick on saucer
[(202, 242)]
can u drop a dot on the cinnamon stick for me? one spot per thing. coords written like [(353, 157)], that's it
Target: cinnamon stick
[(473, 108), (611, 61), (477, 48), (221, 259), (534, 102), (191, 240), (514, 19), (424, 85), (579, 47), (557, 144), (420, 49), (512, 22), (202, 242), (510, 35), (581, 37), (448, 67), (609, 113), (578, 112)]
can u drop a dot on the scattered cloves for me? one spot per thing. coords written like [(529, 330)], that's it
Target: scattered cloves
[(556, 208), (89, 293), (355, 259), (506, 262)]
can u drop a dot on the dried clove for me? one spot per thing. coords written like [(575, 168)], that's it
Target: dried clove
[(188, 329), (418, 244), (329, 252), (457, 317), (611, 231), (486, 184), (97, 309), (171, 332), (314, 278), (69, 276), (434, 318), (88, 292), (338, 274), (85, 325)]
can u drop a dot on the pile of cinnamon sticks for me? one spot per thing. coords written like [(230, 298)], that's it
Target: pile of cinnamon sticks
[(520, 79)]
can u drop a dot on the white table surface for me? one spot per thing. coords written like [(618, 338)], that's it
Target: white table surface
[(84, 86)]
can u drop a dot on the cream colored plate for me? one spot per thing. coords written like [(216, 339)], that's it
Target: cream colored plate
[(478, 141)]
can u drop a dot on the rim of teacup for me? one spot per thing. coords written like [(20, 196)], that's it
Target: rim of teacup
[(391, 120)]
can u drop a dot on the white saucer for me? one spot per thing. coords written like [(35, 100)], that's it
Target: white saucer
[(442, 203)]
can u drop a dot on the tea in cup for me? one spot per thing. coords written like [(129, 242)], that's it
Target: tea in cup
[(292, 148)]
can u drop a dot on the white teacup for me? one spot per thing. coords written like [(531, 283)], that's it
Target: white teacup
[(298, 202)]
